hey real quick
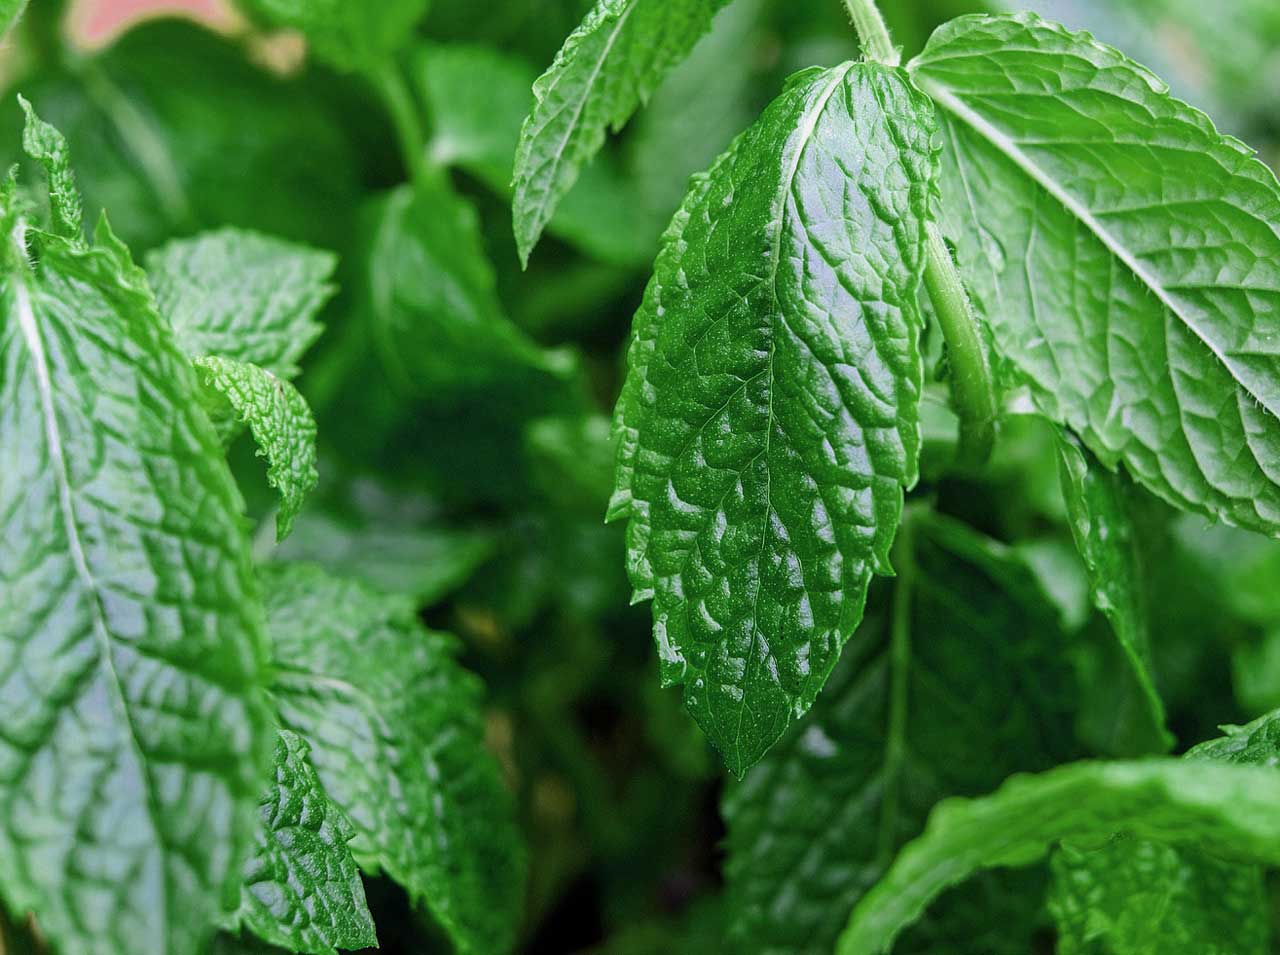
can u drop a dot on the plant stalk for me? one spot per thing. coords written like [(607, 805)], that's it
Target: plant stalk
[(895, 750), (872, 32), (972, 391), (403, 111)]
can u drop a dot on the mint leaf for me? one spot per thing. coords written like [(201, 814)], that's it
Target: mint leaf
[(1124, 253), (350, 36), (1106, 899), (607, 67), (10, 13), (132, 655), (396, 738), (430, 295), (46, 145), (768, 422), (281, 423), (302, 890), (1149, 898), (816, 823), (476, 127), (1225, 809), (1098, 510), (237, 294)]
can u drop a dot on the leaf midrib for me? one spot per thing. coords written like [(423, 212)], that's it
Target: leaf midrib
[(952, 103), (32, 337)]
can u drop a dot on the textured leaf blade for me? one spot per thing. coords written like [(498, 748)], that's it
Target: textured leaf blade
[(302, 889), (1124, 252), (768, 422), (132, 687), (607, 67), (1225, 809), (350, 36), (281, 423), (1101, 523), (1144, 898), (396, 738), (238, 294), (815, 824), (476, 127)]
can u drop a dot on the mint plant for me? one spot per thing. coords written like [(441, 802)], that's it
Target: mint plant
[(943, 476)]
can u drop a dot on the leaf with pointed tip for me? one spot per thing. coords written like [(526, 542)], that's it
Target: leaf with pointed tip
[(768, 422), (397, 740), (132, 657), (606, 69), (281, 424), (237, 294), (1125, 253), (1101, 523), (816, 823), (302, 890)]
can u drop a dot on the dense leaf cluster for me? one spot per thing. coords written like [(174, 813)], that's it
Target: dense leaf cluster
[(942, 475)]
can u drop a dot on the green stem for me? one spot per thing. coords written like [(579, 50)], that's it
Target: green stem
[(403, 111), (895, 749), (971, 388), (876, 43)]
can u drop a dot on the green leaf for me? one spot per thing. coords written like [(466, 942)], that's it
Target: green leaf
[(397, 738), (132, 655), (606, 69), (302, 889), (476, 127), (1099, 516), (1133, 897), (1124, 253), (281, 423), (768, 422), (396, 543), (236, 294), (350, 36), (10, 12), (45, 144), (974, 686), (159, 119), (430, 296), (1225, 809)]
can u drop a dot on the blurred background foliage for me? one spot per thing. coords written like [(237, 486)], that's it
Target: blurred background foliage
[(478, 394)]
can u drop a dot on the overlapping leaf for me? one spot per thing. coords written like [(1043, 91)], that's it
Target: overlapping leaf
[(1125, 253), (302, 890), (962, 682), (605, 70), (243, 296), (351, 36), (132, 658), (397, 740), (281, 423), (768, 422)]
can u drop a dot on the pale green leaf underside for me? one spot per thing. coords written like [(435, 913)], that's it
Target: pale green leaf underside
[(1226, 809), (1126, 254), (816, 823), (1098, 512), (1137, 897), (606, 69), (1134, 897), (397, 739), (281, 423), (134, 721), (768, 422), (242, 295), (302, 888)]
